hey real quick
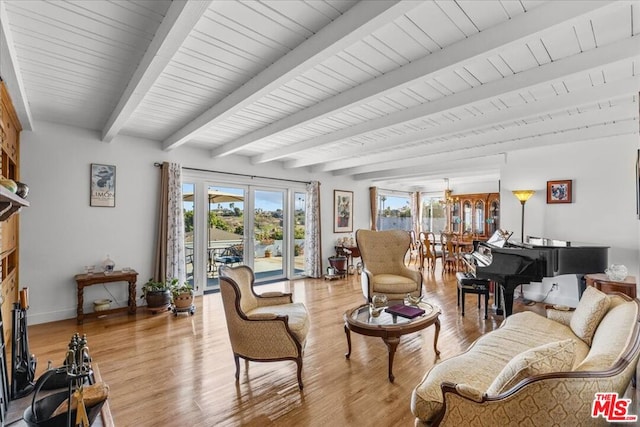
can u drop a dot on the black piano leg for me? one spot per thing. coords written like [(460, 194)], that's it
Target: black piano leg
[(497, 299), (582, 284), (508, 301)]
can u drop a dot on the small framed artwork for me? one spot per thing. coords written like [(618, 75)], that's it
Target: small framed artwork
[(103, 185), (559, 191), (342, 211)]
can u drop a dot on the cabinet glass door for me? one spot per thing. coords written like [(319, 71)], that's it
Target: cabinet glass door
[(494, 217), (455, 217), (466, 215), (478, 220)]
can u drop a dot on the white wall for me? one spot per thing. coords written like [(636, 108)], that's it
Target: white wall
[(603, 211), (60, 233)]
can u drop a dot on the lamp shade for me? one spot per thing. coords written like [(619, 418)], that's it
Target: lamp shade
[(523, 195)]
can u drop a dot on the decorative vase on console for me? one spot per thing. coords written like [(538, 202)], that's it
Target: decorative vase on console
[(108, 265)]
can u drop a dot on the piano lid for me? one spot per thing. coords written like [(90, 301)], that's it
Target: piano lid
[(543, 242)]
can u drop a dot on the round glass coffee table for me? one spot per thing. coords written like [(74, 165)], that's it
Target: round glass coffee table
[(390, 327)]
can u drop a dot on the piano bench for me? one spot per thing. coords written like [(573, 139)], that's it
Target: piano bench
[(469, 284)]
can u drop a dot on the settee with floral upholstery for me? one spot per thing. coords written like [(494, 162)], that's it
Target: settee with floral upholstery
[(536, 370)]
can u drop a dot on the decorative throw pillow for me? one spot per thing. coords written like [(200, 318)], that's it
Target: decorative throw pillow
[(590, 310), (553, 357)]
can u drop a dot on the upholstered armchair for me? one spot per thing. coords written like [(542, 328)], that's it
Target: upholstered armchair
[(266, 327), (383, 254)]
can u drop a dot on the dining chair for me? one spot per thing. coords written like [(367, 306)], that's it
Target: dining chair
[(426, 252), (414, 255), (451, 259), (436, 248)]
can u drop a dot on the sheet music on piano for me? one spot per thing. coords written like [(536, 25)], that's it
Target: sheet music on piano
[(500, 238)]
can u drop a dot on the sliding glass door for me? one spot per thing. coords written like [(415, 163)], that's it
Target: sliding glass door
[(226, 225), (231, 224), (270, 246), (300, 207)]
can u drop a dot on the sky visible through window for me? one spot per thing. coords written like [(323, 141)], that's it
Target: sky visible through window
[(395, 202), (268, 201)]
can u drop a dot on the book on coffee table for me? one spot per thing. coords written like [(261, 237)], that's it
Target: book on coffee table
[(405, 311)]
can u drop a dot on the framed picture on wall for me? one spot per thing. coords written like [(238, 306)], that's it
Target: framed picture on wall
[(342, 211), (103, 185), (559, 191)]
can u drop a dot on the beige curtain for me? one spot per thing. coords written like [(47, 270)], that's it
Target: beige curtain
[(169, 260), (416, 212), (373, 198), (312, 242)]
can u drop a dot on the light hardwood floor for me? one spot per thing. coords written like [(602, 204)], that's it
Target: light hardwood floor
[(179, 371)]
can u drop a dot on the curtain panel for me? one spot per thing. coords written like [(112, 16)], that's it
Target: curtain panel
[(312, 242), (416, 212), (373, 199), (169, 259)]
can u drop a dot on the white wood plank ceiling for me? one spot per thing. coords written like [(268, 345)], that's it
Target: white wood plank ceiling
[(403, 93)]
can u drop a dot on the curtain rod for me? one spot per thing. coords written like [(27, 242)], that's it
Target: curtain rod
[(395, 191), (156, 164)]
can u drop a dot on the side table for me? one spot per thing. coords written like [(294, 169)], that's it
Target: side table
[(354, 252), (601, 282), (84, 280)]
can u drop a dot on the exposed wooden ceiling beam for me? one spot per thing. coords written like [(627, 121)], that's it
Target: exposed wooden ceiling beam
[(465, 167), (176, 26), (576, 99), (360, 20), (588, 60), (484, 43), (573, 136), (400, 156), (10, 72)]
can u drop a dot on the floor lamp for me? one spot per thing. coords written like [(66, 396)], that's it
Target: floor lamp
[(523, 196)]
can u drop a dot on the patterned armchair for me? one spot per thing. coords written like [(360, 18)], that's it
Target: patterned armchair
[(267, 327), (383, 254)]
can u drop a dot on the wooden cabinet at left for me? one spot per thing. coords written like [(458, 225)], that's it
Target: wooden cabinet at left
[(10, 129)]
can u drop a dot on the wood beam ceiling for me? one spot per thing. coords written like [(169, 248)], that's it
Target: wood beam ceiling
[(517, 30), (174, 29), (357, 22)]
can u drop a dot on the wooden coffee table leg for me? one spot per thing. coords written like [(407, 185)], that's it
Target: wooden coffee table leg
[(348, 333), (435, 340), (392, 344)]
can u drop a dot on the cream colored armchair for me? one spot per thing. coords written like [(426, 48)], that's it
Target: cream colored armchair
[(383, 254), (267, 327)]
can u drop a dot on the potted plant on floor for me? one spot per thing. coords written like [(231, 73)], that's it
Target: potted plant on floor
[(158, 294), (182, 297)]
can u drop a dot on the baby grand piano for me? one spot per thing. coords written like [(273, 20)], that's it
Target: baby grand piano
[(510, 264)]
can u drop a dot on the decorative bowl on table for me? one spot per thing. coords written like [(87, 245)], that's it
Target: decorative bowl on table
[(616, 272), (411, 300), (375, 311), (378, 303)]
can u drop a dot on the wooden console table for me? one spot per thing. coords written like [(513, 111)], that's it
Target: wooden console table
[(601, 282), (84, 280)]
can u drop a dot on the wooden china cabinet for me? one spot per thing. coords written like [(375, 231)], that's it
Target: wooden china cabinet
[(477, 214), (10, 205)]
